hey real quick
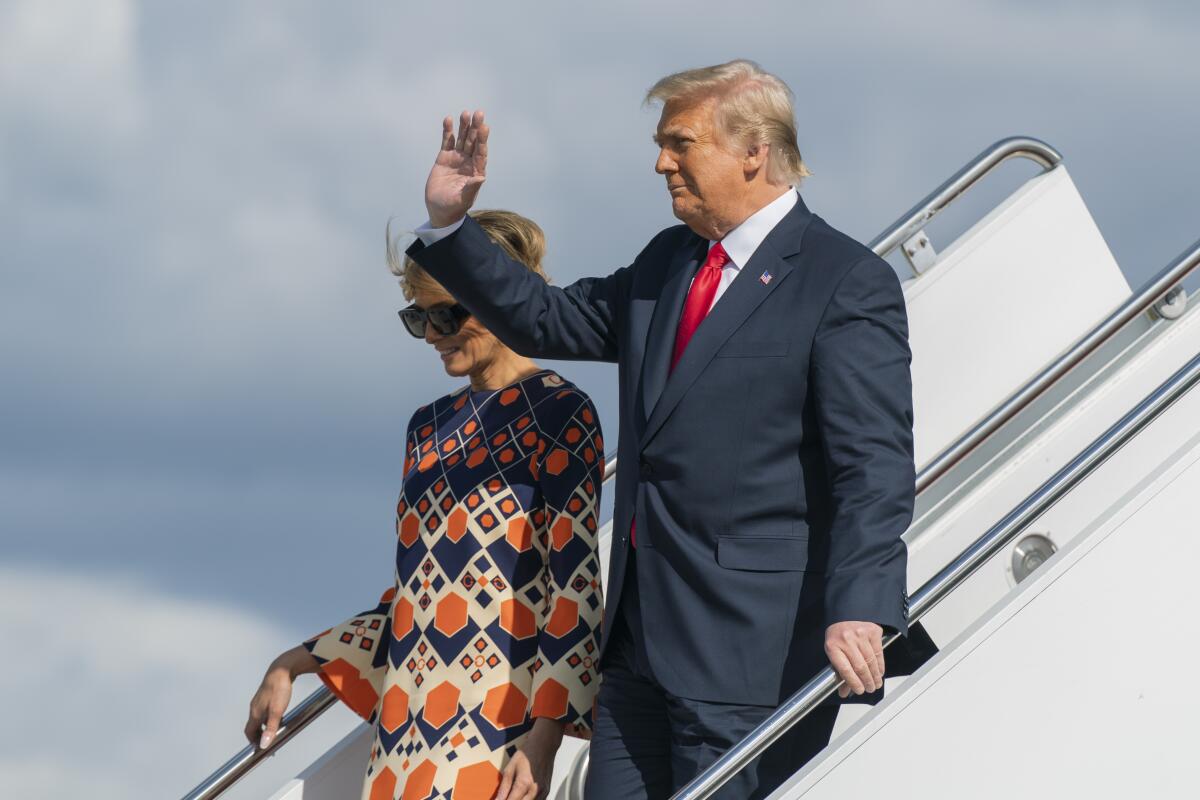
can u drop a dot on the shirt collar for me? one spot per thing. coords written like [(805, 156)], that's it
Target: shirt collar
[(741, 242)]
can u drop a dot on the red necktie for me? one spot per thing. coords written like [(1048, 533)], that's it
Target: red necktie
[(699, 299), (695, 308)]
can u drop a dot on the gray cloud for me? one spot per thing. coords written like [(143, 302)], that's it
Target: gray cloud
[(139, 694)]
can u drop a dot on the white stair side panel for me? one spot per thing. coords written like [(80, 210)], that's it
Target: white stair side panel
[(1075, 686), (1003, 300), (1086, 419)]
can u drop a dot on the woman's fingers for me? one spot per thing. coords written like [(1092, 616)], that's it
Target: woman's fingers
[(523, 787), (253, 725), (258, 713), (274, 715), (516, 781), (506, 780)]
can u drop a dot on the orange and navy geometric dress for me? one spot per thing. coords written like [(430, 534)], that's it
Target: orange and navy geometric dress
[(494, 617)]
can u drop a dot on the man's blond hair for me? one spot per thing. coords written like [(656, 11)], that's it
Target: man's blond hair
[(752, 107)]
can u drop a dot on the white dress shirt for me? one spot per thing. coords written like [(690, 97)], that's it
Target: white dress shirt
[(740, 243)]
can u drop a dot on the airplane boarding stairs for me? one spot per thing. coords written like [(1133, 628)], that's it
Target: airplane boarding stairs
[(1047, 277)]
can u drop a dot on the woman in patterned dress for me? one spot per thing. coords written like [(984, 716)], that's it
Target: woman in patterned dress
[(482, 654)]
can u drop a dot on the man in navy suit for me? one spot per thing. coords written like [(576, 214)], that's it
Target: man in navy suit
[(765, 456)]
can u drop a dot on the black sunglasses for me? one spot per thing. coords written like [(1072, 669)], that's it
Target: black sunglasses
[(445, 320)]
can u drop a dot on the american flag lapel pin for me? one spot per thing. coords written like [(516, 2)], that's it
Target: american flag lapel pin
[(766, 277)]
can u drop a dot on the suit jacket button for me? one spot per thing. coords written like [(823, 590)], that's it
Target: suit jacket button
[(644, 468)]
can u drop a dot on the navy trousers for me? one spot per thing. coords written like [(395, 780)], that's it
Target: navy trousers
[(647, 743)]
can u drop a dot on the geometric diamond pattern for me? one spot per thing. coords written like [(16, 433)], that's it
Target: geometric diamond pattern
[(494, 616)]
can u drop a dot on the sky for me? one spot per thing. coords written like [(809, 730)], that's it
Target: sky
[(204, 382)]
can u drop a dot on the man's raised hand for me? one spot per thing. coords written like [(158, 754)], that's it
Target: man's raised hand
[(458, 171)]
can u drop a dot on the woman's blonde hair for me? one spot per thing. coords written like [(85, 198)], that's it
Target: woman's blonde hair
[(519, 237), (752, 107)]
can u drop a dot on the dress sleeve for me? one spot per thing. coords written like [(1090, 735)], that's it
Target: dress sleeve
[(566, 671), (352, 662)]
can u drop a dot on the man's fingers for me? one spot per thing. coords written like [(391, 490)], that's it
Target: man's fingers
[(471, 137), (863, 658), (863, 661), (855, 649), (846, 671), (464, 127), (481, 149), (862, 669), (448, 133), (879, 665)]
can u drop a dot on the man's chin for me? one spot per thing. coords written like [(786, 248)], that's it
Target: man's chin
[(693, 220), (682, 211)]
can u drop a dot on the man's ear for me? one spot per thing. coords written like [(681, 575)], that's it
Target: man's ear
[(755, 159)]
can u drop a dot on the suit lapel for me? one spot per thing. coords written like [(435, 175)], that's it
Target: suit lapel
[(660, 339), (739, 301)]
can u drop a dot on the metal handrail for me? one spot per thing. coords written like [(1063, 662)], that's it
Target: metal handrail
[(954, 574), (898, 232), (919, 215), (249, 756)]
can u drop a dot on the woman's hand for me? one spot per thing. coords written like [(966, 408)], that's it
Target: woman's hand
[(528, 773), (274, 694)]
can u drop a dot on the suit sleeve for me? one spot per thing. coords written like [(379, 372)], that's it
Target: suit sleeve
[(862, 391), (566, 672), (578, 322)]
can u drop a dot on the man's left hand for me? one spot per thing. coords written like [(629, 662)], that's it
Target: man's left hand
[(855, 650)]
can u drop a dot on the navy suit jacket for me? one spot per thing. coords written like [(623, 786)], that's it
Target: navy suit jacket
[(771, 473)]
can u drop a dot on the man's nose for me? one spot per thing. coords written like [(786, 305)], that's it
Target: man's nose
[(665, 163)]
